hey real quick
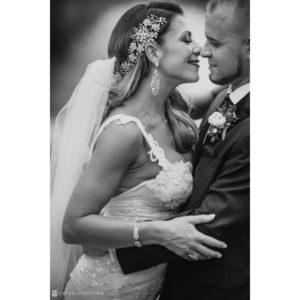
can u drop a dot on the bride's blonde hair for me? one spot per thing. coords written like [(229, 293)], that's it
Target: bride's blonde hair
[(177, 108)]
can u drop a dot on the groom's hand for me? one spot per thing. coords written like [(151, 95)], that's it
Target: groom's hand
[(185, 240)]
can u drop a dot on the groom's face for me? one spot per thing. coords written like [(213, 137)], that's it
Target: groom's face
[(226, 46)]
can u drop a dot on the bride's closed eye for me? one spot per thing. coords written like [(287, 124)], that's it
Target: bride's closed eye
[(187, 38), (187, 41)]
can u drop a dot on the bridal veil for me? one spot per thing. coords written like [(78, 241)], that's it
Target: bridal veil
[(74, 136)]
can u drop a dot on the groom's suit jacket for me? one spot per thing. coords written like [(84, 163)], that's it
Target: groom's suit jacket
[(221, 186)]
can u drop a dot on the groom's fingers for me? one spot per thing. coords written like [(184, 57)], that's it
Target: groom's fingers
[(207, 252), (194, 257), (200, 219), (212, 242)]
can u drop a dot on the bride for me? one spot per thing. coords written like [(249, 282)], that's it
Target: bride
[(121, 156)]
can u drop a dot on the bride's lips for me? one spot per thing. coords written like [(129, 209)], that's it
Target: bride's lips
[(194, 62)]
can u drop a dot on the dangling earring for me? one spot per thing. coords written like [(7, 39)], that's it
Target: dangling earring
[(155, 82)]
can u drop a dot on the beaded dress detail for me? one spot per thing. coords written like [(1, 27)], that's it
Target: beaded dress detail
[(100, 277)]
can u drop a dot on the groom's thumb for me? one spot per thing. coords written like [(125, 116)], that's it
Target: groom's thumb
[(201, 219)]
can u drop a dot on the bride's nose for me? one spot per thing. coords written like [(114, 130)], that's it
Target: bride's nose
[(197, 50)]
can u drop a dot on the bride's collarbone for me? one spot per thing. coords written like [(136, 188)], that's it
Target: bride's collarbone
[(160, 132)]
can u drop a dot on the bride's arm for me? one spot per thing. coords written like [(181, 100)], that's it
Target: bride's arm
[(118, 146)]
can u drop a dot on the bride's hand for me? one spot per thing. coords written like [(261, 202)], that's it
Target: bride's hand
[(181, 237)]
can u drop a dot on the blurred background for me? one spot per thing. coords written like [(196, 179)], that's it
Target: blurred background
[(80, 30)]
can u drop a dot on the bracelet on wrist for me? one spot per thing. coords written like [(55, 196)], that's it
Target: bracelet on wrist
[(136, 236)]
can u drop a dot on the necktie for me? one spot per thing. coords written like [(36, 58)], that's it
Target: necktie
[(226, 103)]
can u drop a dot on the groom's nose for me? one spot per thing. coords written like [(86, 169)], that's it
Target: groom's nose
[(206, 52)]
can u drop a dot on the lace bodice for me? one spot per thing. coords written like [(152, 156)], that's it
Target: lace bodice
[(156, 198)]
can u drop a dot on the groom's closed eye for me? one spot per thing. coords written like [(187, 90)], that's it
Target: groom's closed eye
[(213, 42)]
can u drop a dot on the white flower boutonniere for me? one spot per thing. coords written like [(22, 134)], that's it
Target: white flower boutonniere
[(220, 121), (217, 119)]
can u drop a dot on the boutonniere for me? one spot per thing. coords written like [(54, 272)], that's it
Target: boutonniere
[(220, 121)]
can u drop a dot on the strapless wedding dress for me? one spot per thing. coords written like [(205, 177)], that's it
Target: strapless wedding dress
[(101, 278)]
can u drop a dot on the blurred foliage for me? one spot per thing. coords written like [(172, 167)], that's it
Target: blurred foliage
[(72, 18)]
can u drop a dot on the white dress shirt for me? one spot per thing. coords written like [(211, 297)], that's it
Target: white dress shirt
[(238, 94)]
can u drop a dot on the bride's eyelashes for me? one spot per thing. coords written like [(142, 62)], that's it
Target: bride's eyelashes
[(187, 38), (187, 41)]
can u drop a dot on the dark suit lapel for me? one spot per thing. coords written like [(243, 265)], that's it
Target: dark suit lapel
[(243, 108), (242, 112)]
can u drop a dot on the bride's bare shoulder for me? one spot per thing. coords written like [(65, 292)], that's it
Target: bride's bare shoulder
[(119, 131)]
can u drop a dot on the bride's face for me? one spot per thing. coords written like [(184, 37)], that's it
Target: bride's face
[(179, 53)]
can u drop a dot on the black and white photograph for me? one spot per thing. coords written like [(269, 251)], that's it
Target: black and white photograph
[(126, 149), (150, 150)]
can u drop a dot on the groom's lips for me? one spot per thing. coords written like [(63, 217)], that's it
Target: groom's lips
[(211, 66)]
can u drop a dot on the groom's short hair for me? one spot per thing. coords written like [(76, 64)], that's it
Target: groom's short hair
[(242, 10)]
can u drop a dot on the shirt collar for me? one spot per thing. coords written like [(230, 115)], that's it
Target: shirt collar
[(238, 94)]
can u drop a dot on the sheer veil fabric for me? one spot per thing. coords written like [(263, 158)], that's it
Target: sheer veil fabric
[(74, 136)]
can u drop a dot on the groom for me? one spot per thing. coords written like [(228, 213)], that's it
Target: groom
[(221, 171)]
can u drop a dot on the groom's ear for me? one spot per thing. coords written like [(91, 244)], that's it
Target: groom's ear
[(153, 53)]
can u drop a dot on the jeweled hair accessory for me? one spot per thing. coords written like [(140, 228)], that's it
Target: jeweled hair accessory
[(145, 34)]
